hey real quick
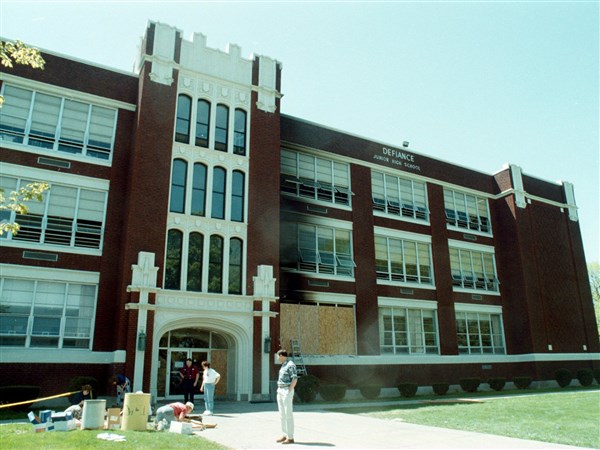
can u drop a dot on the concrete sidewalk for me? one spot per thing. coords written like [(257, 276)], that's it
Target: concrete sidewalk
[(242, 425)]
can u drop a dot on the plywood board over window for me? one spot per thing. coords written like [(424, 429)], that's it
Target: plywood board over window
[(321, 329)]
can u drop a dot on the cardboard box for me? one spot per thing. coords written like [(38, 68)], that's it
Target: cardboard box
[(33, 418), (113, 418), (181, 427), (46, 416)]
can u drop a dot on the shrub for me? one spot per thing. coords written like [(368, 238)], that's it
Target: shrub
[(469, 384), (76, 383), (522, 382), (440, 388), (497, 383), (333, 392), (563, 377), (307, 388), (585, 377), (597, 375), (16, 394), (370, 391), (408, 389)]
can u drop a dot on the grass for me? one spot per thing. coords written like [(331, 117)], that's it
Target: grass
[(565, 417), (23, 436)]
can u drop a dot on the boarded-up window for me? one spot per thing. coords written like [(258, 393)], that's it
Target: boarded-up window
[(321, 329)]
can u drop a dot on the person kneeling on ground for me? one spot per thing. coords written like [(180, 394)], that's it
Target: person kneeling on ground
[(166, 414)]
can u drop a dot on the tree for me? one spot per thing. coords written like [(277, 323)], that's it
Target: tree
[(594, 274), (15, 202), (12, 53)]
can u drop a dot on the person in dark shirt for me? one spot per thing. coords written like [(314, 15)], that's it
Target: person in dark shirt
[(189, 380), (85, 394)]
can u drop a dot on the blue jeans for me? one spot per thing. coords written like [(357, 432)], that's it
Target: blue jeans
[(209, 396)]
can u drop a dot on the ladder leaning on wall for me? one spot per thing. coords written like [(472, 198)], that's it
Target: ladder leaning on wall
[(296, 355)]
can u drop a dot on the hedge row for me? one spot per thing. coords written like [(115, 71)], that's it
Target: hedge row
[(309, 386)]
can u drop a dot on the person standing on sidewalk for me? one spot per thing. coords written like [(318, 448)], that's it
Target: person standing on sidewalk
[(189, 380), (286, 382), (210, 378)]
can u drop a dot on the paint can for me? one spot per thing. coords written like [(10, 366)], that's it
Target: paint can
[(92, 417)]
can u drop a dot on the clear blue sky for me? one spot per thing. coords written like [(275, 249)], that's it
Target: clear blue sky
[(479, 84)]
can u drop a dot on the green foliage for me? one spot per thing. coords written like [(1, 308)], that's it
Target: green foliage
[(440, 388), (16, 394), (522, 382), (307, 388), (370, 391), (563, 377), (408, 389), (497, 383), (333, 392), (585, 376), (469, 384), (14, 201)]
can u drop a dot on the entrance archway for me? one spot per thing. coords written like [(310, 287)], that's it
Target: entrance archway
[(199, 344)]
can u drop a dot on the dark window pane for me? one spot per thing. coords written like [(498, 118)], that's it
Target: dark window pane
[(199, 190), (235, 266), (221, 128), (215, 270), (218, 191), (194, 275), (202, 123), (178, 186), (239, 132), (173, 265), (237, 197), (182, 124)]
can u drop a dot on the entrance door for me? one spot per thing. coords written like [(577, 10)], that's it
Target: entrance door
[(176, 362)]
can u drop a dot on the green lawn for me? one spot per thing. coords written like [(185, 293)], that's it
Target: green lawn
[(14, 436), (571, 418)]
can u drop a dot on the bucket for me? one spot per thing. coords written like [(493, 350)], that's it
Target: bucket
[(136, 409), (92, 417)]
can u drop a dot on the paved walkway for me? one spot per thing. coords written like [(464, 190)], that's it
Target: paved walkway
[(242, 425)]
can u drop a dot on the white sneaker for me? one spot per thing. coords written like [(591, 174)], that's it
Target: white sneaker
[(207, 413)]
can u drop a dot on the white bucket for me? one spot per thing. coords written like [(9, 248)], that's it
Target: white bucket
[(92, 417), (136, 409)]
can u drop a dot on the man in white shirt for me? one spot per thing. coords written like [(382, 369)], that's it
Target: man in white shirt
[(210, 378)]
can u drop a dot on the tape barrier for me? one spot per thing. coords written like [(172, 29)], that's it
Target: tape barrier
[(37, 400)]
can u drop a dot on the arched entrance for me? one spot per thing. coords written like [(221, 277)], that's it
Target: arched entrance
[(199, 344)]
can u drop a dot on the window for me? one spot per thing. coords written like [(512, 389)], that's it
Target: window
[(472, 269), (406, 330), (479, 332), (178, 182), (218, 193), (239, 132), (221, 128), (173, 263), (317, 249), (315, 178), (215, 269), (237, 196), (56, 123), (182, 123), (399, 196), (235, 266), (202, 123), (48, 314), (194, 262), (67, 216), (467, 211), (403, 260), (199, 190)]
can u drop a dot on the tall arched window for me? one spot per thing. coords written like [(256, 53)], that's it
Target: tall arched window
[(199, 190), (173, 263), (218, 193), (202, 123), (215, 264), (235, 266), (194, 269), (237, 196), (182, 124), (239, 132), (221, 128), (178, 177)]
